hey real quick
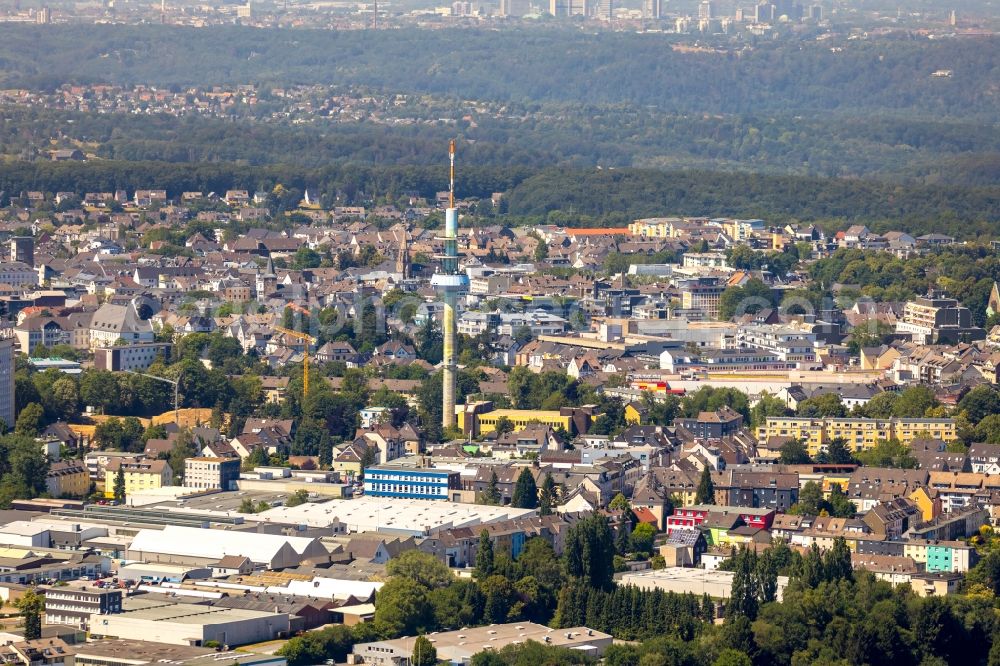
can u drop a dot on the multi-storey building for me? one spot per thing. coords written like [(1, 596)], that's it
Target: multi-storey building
[(860, 433), (140, 475), (950, 556), (692, 517), (73, 606), (712, 425), (938, 321), (785, 342), (67, 478), (411, 482), (22, 250), (39, 331), (18, 274), (124, 358), (112, 323), (211, 473), (700, 296)]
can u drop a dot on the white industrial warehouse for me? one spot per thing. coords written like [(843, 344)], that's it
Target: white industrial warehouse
[(374, 514), (192, 545)]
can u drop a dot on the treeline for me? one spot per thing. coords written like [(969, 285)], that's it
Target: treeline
[(604, 197), (602, 68), (613, 197), (936, 151), (339, 184)]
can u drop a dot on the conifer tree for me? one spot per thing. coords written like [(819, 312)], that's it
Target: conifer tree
[(706, 489)]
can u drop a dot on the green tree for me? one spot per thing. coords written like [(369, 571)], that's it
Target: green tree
[(119, 487), (744, 596), (887, 453), (838, 453), (589, 552), (30, 420), (914, 402), (731, 657), (525, 495), (619, 503), (64, 398), (840, 506), (827, 405), (424, 653), (811, 501), (306, 257), (767, 405), (484, 556), (548, 497), (980, 402), (403, 608), (297, 498), (794, 452), (642, 538), (184, 447), (705, 494), (504, 425), (499, 600), (31, 605), (837, 561), (491, 495), (420, 567), (748, 299)]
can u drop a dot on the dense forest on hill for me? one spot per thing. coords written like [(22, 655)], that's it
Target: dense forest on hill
[(541, 65), (612, 197), (914, 150)]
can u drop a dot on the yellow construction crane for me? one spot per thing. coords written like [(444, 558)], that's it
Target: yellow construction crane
[(309, 340)]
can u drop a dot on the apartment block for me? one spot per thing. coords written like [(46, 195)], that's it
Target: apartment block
[(860, 433)]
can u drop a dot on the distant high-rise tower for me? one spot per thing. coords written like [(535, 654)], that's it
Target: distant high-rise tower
[(706, 9), (763, 12), (449, 281), (22, 248), (652, 9), (44, 16), (953, 18)]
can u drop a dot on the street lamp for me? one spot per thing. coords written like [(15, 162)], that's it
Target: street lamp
[(176, 384)]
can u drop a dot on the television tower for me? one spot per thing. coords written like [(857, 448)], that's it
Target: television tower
[(449, 281)]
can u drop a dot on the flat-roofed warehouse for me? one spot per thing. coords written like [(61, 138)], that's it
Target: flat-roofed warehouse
[(457, 647), (118, 652), (191, 545), (191, 624), (716, 584), (373, 514)]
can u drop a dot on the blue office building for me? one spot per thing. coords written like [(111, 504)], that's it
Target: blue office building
[(411, 482)]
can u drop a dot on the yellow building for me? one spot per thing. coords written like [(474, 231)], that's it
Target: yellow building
[(859, 433), (929, 506), (654, 227), (635, 413), (521, 418), (140, 476), (68, 478)]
